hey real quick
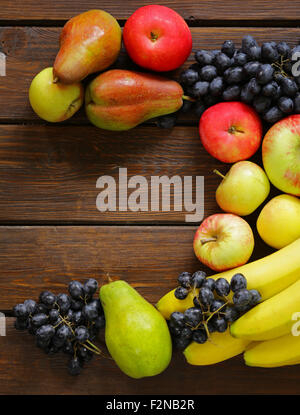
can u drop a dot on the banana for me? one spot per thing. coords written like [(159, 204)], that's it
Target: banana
[(220, 346), (281, 351), (169, 303), (270, 319), (271, 274), (268, 275)]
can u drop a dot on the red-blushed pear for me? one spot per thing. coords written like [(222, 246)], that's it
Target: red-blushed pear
[(281, 154), (230, 131), (243, 189), (89, 42), (157, 38), (223, 241), (53, 101), (119, 99)]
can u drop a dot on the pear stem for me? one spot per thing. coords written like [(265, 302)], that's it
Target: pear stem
[(219, 173), (212, 239), (187, 98)]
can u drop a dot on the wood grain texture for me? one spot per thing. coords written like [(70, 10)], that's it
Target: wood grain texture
[(192, 10), (31, 49), (24, 369), (49, 173), (37, 258)]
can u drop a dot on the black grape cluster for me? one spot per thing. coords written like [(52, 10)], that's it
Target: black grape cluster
[(212, 311), (68, 323), (260, 76)]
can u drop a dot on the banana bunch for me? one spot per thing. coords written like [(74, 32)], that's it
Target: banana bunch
[(264, 332)]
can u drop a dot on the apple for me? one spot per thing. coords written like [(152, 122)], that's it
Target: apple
[(230, 131), (54, 101), (278, 223), (157, 38), (281, 154), (223, 241), (243, 189)]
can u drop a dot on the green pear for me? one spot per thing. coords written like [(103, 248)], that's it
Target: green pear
[(136, 334)]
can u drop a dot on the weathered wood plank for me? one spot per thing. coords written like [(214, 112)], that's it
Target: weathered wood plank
[(49, 173), (24, 368), (37, 258), (30, 49), (231, 10)]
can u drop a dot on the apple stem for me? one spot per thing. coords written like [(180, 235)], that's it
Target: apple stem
[(219, 173), (187, 98), (212, 239)]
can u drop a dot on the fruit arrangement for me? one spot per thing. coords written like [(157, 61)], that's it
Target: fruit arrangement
[(233, 91)]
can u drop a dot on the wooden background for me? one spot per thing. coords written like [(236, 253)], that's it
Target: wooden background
[(50, 228)]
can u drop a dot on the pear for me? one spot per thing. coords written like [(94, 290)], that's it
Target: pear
[(136, 334), (121, 99), (53, 101), (89, 42)]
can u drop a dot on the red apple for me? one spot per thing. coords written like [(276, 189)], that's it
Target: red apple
[(281, 154), (157, 38), (230, 131), (223, 241)]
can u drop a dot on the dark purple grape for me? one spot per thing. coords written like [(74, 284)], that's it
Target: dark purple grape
[(222, 62), (261, 104), (200, 336), (200, 89), (208, 73), (204, 57), (251, 68), (248, 42), (269, 52), (181, 293), (273, 115), (234, 75), (228, 48), (254, 86), (189, 76), (289, 87), (265, 74), (240, 59), (286, 105), (216, 86), (231, 93), (185, 279)]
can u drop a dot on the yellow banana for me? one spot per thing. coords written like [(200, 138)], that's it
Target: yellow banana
[(281, 351), (270, 319), (268, 275), (220, 346)]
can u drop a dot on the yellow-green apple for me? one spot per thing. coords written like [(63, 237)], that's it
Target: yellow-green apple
[(89, 42), (230, 131), (157, 38), (53, 101), (281, 154), (223, 241), (278, 223), (243, 189)]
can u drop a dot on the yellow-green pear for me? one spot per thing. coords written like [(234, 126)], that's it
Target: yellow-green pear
[(136, 334), (52, 100)]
